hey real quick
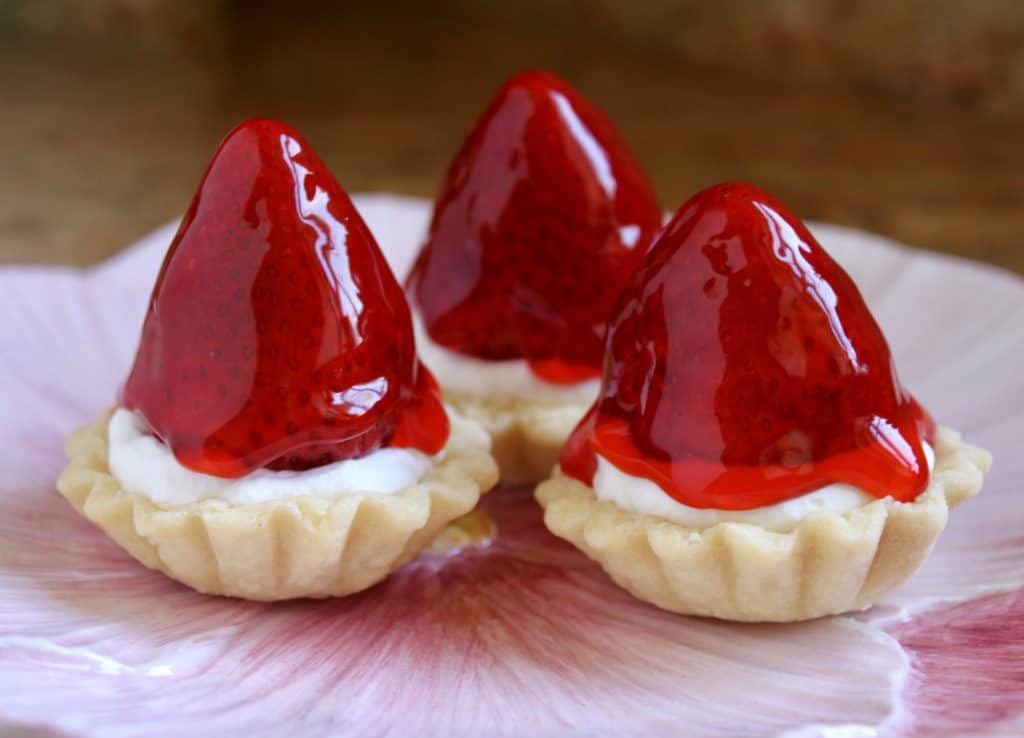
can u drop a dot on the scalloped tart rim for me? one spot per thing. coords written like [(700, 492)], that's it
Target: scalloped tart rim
[(526, 438), (829, 564), (307, 546)]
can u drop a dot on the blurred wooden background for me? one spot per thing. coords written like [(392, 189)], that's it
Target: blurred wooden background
[(903, 118)]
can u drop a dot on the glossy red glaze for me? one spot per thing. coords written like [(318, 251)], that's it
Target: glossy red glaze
[(277, 335), (543, 217), (742, 368)]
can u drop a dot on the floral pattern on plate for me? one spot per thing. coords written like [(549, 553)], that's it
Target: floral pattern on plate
[(517, 634)]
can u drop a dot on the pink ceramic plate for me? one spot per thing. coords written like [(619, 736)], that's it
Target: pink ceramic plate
[(521, 637)]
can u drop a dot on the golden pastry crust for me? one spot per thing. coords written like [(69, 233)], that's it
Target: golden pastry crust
[(526, 438), (302, 547), (829, 564)]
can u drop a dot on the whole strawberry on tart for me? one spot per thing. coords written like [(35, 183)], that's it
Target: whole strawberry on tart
[(277, 436), (541, 220), (752, 454)]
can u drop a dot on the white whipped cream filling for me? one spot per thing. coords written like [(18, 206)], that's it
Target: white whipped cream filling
[(144, 465), (504, 378), (644, 497)]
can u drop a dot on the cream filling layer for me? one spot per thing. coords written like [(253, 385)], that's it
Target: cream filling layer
[(144, 465), (644, 497), (501, 379)]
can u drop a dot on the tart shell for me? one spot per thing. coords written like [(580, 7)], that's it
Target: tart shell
[(302, 547), (526, 438), (829, 564)]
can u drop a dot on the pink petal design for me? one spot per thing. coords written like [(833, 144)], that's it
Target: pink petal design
[(497, 640), (967, 669), (523, 636)]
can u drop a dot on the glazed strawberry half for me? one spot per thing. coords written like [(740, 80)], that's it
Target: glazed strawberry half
[(543, 217), (743, 368), (276, 335)]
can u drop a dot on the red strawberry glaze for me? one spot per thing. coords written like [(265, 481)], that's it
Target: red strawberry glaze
[(742, 368), (276, 335), (542, 218)]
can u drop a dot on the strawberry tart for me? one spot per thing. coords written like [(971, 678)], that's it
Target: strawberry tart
[(752, 454), (541, 220), (277, 436)]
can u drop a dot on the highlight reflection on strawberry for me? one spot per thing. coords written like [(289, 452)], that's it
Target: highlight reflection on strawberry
[(743, 368), (542, 218), (276, 335)]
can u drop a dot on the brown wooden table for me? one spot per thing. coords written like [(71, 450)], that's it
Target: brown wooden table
[(100, 145)]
